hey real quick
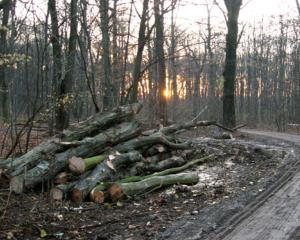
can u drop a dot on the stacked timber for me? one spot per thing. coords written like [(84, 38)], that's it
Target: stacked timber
[(106, 157)]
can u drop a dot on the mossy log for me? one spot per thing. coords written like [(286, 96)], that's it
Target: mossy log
[(47, 170), (179, 127), (168, 171), (60, 191), (98, 193), (104, 120), (80, 165), (119, 190), (46, 150), (174, 161), (103, 172), (147, 141)]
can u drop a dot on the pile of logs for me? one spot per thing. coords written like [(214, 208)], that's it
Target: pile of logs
[(106, 157)]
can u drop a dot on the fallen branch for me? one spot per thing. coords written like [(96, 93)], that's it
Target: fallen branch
[(51, 147), (46, 170), (168, 171), (119, 190)]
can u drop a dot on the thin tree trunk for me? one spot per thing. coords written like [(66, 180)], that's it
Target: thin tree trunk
[(139, 54), (108, 98), (4, 95), (233, 8)]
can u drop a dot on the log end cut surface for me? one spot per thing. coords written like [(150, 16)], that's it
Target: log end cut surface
[(17, 184), (76, 165), (76, 195), (97, 196)]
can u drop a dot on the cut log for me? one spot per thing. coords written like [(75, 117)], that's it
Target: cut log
[(147, 141), (119, 190), (103, 121), (141, 168), (46, 150), (60, 192), (103, 172), (79, 165), (99, 193), (185, 126), (62, 178), (47, 170), (171, 162), (168, 171), (156, 149)]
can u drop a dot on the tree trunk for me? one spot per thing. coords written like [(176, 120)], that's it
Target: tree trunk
[(139, 55), (104, 171), (63, 115), (86, 129), (108, 98), (47, 169), (79, 165), (4, 93), (57, 59), (233, 8), (168, 171), (119, 190), (160, 56)]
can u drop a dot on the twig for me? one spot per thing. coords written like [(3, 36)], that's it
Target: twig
[(200, 113), (225, 128), (6, 205), (239, 126)]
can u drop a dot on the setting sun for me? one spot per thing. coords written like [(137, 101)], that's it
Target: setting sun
[(167, 94)]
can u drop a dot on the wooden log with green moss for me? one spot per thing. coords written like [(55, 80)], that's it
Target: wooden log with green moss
[(103, 172), (48, 169), (148, 141), (168, 171), (46, 150), (80, 165), (119, 190), (98, 193)]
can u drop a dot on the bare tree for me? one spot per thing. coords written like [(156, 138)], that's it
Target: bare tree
[(5, 6), (298, 6), (62, 118), (139, 55), (108, 98), (233, 9), (160, 56)]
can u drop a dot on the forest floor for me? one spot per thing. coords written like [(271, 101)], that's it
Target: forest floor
[(243, 168)]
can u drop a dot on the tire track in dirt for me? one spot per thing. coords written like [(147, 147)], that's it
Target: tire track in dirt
[(273, 214), (279, 215)]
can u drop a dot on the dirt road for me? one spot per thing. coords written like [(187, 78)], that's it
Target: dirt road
[(275, 216), (295, 139), (279, 217)]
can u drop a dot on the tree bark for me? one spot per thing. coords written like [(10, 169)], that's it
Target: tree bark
[(168, 171), (139, 55), (63, 115), (4, 93), (119, 190), (57, 58), (160, 56), (103, 172), (147, 141), (79, 165), (108, 98), (86, 129), (46, 170), (233, 8)]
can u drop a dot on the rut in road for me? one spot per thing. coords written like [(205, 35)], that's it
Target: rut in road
[(279, 217)]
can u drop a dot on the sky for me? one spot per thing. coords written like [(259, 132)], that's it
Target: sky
[(253, 11)]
